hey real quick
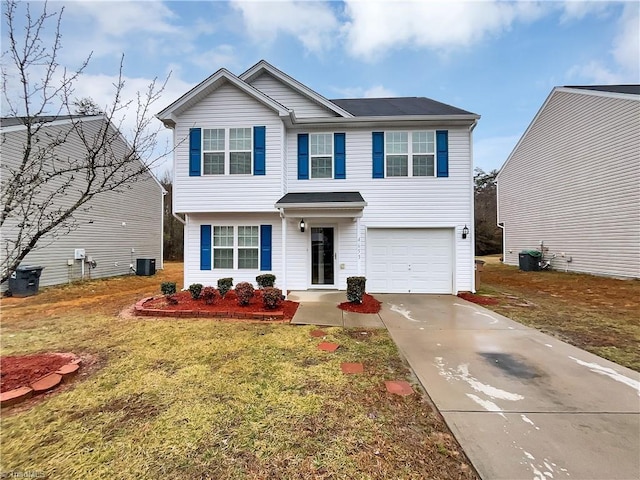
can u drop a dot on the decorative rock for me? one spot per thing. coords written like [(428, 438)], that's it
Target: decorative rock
[(15, 396), (328, 347), (318, 333), (399, 387), (68, 371), (352, 368), (46, 383)]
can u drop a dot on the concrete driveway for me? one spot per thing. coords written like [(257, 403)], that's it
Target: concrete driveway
[(522, 404)]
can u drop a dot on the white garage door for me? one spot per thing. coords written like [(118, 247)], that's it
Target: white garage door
[(412, 260)]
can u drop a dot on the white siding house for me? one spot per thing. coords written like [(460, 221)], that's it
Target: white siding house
[(383, 187), (572, 183), (114, 228)]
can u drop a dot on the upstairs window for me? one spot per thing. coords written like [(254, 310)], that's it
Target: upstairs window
[(213, 151), (227, 151), (410, 154), (240, 151), (321, 153)]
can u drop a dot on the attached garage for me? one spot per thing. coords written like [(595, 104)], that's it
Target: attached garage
[(410, 260)]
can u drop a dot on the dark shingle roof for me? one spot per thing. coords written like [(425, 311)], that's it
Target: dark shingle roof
[(399, 106), (631, 89), (321, 197)]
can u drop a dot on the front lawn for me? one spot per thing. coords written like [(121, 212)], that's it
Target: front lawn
[(598, 314), (206, 399)]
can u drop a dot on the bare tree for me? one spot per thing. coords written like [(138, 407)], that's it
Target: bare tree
[(86, 106), (488, 234), (173, 229), (44, 189)]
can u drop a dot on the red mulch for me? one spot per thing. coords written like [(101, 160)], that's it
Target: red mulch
[(479, 299), (227, 304), (368, 305), (22, 370)]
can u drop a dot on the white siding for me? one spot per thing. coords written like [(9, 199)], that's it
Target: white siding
[(228, 107), (285, 95), (192, 272), (573, 182), (100, 225), (405, 202)]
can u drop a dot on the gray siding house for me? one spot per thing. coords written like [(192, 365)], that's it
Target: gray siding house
[(114, 229), (572, 183)]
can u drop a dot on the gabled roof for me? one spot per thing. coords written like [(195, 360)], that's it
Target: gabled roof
[(22, 121), (631, 89), (397, 106), (263, 66), (206, 87)]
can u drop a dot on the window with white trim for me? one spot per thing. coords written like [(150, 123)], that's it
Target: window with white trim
[(410, 154), (321, 155), (242, 244), (227, 151)]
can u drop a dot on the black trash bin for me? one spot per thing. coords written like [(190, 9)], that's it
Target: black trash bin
[(25, 281), (145, 266), (530, 260)]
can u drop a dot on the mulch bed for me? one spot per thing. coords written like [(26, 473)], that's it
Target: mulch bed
[(368, 305), (478, 299), (22, 370), (228, 304)]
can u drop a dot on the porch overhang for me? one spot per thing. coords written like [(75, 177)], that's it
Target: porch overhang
[(321, 204)]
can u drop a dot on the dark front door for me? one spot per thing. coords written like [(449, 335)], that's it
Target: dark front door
[(322, 256)]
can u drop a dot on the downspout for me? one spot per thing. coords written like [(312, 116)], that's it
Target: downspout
[(473, 214), (284, 252)]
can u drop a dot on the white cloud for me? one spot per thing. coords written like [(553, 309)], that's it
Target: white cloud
[(313, 23), (218, 57), (377, 27), (376, 91), (577, 10)]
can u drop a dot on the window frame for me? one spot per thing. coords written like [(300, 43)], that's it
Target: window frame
[(228, 151), (235, 246), (410, 154), (324, 155)]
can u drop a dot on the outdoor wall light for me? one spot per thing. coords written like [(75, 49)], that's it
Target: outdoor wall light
[(302, 225), (465, 232)]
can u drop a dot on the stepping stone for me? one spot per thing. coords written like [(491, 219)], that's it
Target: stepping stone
[(328, 347), (318, 333), (399, 387), (352, 367), (15, 396), (46, 383), (68, 371)]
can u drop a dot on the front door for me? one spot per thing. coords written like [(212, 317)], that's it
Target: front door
[(322, 256)]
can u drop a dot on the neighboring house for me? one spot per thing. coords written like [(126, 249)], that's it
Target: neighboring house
[(273, 177), (114, 229), (573, 182)]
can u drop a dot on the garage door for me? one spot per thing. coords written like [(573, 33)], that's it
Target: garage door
[(410, 260)]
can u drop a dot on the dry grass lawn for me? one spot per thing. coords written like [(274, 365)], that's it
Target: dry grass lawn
[(199, 399), (598, 314)]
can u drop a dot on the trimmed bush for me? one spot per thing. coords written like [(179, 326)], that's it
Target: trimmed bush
[(208, 294), (168, 288), (355, 289), (224, 285), (172, 299), (244, 292), (195, 289), (266, 280), (271, 297)]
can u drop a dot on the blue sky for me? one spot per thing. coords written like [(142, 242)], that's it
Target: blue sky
[(497, 59)]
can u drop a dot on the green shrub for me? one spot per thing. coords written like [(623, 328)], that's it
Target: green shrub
[(208, 295), (224, 285), (244, 292), (168, 288), (266, 280), (195, 289), (271, 297), (355, 289)]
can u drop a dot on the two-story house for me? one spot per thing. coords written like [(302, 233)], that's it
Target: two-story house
[(272, 177)]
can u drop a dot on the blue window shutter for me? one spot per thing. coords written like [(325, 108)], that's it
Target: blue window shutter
[(205, 247), (265, 247), (339, 156), (259, 160), (442, 150), (195, 136), (378, 154), (303, 156)]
